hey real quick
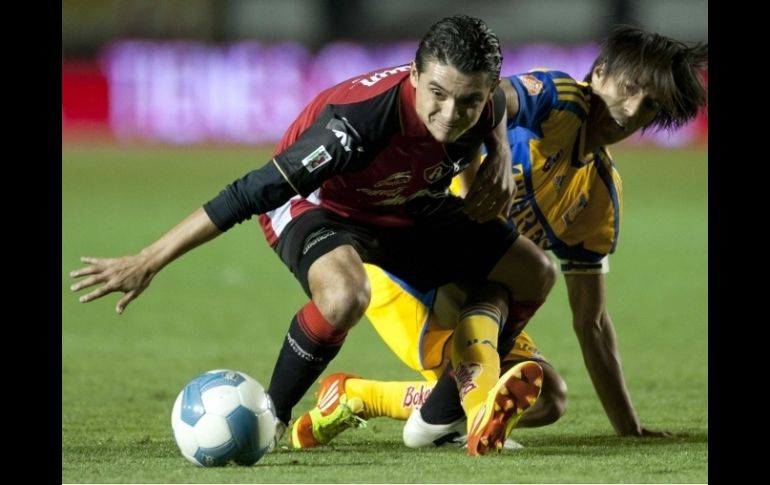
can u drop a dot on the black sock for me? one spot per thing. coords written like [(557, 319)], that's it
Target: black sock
[(443, 404), (302, 359)]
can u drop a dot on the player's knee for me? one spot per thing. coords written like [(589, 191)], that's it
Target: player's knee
[(554, 398), (343, 305), (547, 273)]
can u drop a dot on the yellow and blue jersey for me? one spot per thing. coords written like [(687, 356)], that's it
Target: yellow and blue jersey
[(567, 200)]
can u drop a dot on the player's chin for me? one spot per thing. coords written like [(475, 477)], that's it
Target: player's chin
[(443, 135)]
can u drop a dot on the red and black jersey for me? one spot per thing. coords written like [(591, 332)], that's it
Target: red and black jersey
[(359, 150)]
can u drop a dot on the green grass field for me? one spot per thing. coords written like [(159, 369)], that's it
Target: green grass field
[(228, 305)]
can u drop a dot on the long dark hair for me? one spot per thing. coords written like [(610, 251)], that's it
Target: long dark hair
[(670, 68)]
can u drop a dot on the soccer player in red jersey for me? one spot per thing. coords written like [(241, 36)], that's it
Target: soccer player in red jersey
[(362, 175)]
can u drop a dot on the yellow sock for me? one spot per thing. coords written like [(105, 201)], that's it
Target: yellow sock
[(393, 399), (474, 355)]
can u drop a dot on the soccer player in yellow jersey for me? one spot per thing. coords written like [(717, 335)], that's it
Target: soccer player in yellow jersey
[(568, 200)]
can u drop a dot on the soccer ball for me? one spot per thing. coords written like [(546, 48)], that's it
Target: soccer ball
[(221, 416)]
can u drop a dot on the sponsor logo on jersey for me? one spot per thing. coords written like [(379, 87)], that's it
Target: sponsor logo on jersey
[(318, 158), (534, 85), (381, 192), (415, 396), (551, 160), (403, 199), (397, 178), (558, 181), (344, 132), (379, 76), (314, 238), (574, 210)]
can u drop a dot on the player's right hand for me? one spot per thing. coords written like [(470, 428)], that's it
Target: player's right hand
[(128, 274)]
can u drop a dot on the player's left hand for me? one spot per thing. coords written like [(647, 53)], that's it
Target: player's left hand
[(492, 191)]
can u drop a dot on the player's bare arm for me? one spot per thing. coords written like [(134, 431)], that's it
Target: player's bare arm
[(132, 274), (492, 190), (596, 334), (511, 98)]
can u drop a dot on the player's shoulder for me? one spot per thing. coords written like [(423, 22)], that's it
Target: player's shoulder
[(369, 85)]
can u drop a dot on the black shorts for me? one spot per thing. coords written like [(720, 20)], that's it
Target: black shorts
[(446, 247)]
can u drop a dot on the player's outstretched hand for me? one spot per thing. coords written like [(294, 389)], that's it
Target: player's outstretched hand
[(129, 274), (492, 191)]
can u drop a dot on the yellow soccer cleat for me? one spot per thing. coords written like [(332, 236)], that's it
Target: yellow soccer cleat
[(515, 392)]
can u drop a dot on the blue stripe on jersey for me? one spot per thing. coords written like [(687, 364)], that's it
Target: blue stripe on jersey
[(521, 152), (577, 253), (425, 298), (609, 182)]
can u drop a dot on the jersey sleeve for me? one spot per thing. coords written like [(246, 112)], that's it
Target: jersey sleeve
[(540, 92), (343, 138)]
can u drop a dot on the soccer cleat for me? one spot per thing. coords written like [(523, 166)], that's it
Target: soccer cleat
[(515, 392), (280, 430), (331, 390), (314, 428), (418, 433), (322, 421)]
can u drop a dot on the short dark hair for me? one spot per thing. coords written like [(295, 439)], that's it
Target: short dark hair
[(672, 68), (463, 42)]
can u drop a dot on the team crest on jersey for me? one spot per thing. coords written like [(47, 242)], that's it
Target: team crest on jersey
[(316, 159), (398, 178), (534, 85), (437, 172), (441, 169)]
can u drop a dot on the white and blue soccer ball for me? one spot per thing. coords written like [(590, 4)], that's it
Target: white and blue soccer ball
[(222, 416)]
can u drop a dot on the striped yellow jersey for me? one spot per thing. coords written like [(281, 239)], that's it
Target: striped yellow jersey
[(566, 200)]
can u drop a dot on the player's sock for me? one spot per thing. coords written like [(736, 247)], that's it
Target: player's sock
[(443, 404), (519, 314), (393, 399), (474, 355), (310, 344)]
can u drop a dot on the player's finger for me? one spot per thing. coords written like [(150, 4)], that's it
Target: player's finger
[(97, 293), (83, 271), (127, 298), (90, 281), (89, 260)]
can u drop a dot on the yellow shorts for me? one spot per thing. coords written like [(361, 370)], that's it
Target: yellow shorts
[(405, 322)]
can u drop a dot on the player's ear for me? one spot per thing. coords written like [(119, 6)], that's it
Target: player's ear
[(493, 88), (414, 75), (597, 75)]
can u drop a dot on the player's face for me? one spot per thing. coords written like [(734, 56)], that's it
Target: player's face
[(626, 106), (448, 101)]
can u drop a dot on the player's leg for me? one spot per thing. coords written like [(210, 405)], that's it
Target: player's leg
[(440, 419), (528, 275), (402, 318), (318, 249)]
